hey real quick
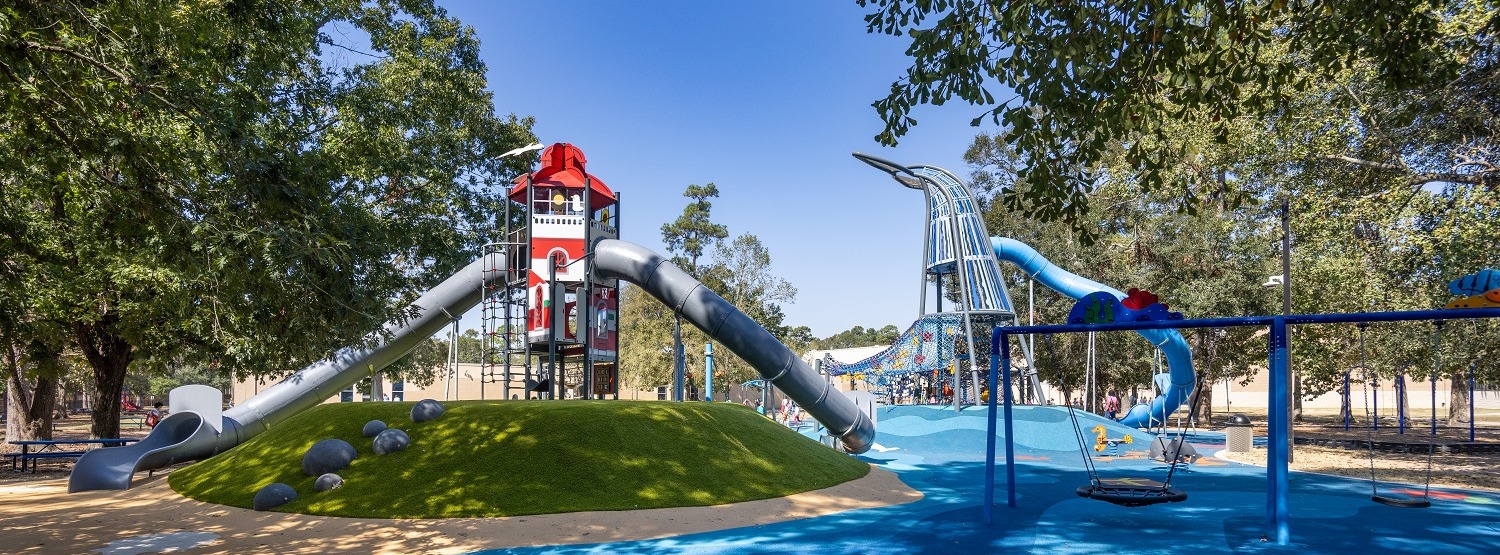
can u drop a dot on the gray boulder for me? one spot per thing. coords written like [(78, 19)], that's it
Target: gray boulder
[(426, 409), (328, 455), (272, 496), (329, 481), (372, 428), (390, 441)]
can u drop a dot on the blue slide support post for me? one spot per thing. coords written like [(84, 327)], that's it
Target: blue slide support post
[(708, 372)]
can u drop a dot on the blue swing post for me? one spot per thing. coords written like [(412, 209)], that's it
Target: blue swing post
[(1277, 459), (999, 379)]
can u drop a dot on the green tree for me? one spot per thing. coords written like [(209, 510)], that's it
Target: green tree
[(741, 274), (1207, 263), (1074, 82), (646, 339), (242, 188), (693, 233), (860, 336)]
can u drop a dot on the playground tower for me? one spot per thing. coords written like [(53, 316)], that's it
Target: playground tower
[(550, 323), (958, 258)]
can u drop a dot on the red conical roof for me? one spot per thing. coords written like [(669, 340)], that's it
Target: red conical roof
[(562, 167)]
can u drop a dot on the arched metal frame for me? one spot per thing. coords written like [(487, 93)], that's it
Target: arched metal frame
[(954, 233)]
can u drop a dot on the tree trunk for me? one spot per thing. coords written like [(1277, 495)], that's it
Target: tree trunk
[(1458, 401), (1346, 411), (377, 387), (1403, 402), (1205, 409), (28, 405), (109, 357)]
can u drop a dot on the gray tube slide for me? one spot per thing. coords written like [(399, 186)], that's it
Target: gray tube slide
[(736, 331), (185, 436)]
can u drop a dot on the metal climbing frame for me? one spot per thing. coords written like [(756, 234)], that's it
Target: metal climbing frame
[(503, 344), (957, 243)]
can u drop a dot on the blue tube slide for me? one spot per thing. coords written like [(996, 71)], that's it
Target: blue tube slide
[(1179, 356)]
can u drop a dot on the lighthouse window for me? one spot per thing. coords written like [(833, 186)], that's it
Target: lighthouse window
[(541, 201)]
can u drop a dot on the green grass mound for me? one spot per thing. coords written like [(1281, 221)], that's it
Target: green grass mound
[(486, 458)]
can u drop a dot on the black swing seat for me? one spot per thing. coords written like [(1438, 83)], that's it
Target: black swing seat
[(1132, 492), (1402, 502)]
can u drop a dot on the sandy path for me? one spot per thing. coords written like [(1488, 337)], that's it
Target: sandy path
[(41, 517), (1452, 471)]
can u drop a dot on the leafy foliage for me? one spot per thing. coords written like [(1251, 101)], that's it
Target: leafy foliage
[(859, 336), (1076, 83), (216, 183)]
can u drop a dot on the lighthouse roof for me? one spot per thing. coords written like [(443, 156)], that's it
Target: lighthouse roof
[(563, 167)]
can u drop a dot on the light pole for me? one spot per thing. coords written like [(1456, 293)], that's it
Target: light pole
[(1284, 280)]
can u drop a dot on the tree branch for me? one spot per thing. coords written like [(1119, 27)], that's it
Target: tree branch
[(124, 79), (1413, 178)]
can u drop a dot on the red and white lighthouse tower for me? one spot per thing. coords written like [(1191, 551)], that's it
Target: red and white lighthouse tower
[(569, 211)]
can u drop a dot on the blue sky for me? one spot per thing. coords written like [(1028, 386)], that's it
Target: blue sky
[(766, 100)]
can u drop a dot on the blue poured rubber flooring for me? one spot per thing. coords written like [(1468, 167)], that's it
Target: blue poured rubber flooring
[(941, 453)]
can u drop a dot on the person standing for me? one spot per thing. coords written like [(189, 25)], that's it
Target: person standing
[(154, 416), (1111, 405)]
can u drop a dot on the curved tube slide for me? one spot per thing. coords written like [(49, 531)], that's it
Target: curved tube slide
[(185, 436), (1179, 356), (726, 324)]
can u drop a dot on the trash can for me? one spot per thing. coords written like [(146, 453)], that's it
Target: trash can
[(1239, 437)]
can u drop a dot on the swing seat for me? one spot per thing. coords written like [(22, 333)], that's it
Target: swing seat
[(1132, 492), (1402, 502)]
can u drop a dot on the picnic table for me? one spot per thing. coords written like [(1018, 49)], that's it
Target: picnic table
[(51, 449), (138, 418)]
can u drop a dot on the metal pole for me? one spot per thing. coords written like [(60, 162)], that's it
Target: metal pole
[(940, 292), (554, 312), (586, 304), (1278, 454), (1031, 338), (678, 364), (1472, 417), (927, 253), (1294, 383), (484, 322), (708, 372), (1437, 364), (618, 328), (989, 439), (530, 215)]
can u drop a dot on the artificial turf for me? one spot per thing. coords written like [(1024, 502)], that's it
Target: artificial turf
[(488, 458)]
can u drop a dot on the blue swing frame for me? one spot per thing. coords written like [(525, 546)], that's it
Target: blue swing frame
[(1277, 513)]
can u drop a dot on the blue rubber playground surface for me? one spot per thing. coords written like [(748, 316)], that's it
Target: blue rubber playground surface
[(941, 453)]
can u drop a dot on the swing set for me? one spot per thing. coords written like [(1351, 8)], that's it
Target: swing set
[(1405, 502), (1278, 424), (1129, 491)]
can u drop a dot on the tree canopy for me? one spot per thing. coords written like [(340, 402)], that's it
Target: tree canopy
[(1073, 82), (241, 185)]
